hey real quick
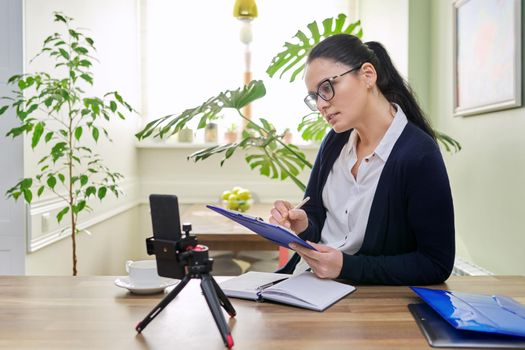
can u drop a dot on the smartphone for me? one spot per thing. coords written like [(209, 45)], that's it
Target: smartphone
[(166, 226)]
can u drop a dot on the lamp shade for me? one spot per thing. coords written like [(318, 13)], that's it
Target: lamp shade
[(245, 9)]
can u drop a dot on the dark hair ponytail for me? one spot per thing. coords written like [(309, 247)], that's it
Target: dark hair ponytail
[(351, 51)]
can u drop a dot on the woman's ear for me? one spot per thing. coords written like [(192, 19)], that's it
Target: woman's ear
[(369, 74)]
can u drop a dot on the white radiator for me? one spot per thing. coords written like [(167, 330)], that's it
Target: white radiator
[(463, 267)]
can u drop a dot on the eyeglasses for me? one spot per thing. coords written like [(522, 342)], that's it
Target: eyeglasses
[(325, 90)]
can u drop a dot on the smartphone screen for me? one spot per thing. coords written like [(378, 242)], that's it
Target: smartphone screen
[(165, 216), (166, 226)]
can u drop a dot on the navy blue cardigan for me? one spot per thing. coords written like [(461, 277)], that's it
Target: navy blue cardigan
[(409, 238)]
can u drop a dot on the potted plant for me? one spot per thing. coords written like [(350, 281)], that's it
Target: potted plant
[(60, 117), (287, 136), (211, 133), (186, 135), (211, 130), (230, 136), (264, 148), (292, 60)]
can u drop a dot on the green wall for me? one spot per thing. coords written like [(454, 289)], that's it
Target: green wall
[(488, 175), (419, 50)]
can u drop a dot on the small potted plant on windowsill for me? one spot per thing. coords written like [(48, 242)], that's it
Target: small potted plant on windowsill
[(185, 135), (230, 136), (211, 130), (287, 136)]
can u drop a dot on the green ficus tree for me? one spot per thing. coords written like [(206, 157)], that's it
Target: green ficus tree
[(57, 115)]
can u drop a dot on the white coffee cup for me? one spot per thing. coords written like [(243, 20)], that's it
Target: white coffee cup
[(143, 273)]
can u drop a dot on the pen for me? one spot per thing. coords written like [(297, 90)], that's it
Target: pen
[(303, 202), (264, 286), (298, 206)]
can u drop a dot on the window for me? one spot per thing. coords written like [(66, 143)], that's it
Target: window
[(192, 51)]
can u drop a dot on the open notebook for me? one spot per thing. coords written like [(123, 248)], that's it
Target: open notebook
[(304, 290)]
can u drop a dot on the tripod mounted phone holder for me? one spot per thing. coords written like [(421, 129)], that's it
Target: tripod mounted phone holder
[(187, 258)]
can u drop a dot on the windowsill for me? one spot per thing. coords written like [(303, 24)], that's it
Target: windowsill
[(190, 145)]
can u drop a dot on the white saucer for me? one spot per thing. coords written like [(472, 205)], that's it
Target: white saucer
[(124, 282)]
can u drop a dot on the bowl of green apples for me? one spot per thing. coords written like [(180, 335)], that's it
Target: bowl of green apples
[(238, 198)]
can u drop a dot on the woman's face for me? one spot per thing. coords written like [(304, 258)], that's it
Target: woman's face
[(345, 109)]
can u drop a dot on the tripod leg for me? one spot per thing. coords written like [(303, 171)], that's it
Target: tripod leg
[(164, 302), (213, 303), (223, 299)]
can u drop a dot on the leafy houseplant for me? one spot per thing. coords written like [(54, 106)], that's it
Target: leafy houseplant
[(265, 148), (231, 133), (313, 125), (287, 136), (186, 135), (274, 158), (67, 119), (210, 133)]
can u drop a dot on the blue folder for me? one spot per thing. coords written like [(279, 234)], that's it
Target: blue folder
[(476, 312), (278, 234)]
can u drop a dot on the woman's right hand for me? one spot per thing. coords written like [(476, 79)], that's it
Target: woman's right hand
[(283, 214)]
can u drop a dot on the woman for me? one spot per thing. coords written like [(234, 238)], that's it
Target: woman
[(381, 208)]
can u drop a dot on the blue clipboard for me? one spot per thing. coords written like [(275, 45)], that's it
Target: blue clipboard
[(476, 312), (278, 234)]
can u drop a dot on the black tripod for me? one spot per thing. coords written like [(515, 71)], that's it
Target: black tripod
[(194, 259)]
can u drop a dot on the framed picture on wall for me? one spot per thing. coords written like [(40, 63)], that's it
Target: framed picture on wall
[(487, 55)]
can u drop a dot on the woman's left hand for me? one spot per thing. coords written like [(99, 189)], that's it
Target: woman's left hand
[(326, 262)]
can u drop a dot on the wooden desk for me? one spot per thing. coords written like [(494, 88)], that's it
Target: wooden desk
[(91, 313), (220, 233)]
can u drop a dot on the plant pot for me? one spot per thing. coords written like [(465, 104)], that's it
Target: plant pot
[(230, 136), (186, 135), (287, 138), (210, 133)]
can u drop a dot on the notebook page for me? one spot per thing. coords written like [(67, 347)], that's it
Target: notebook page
[(247, 285), (307, 290)]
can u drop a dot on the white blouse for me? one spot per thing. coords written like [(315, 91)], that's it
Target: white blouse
[(348, 200)]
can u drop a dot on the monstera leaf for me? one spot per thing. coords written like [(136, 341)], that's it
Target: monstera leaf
[(236, 99), (278, 163), (294, 55), (313, 127), (263, 146), (279, 160), (274, 159), (450, 145)]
